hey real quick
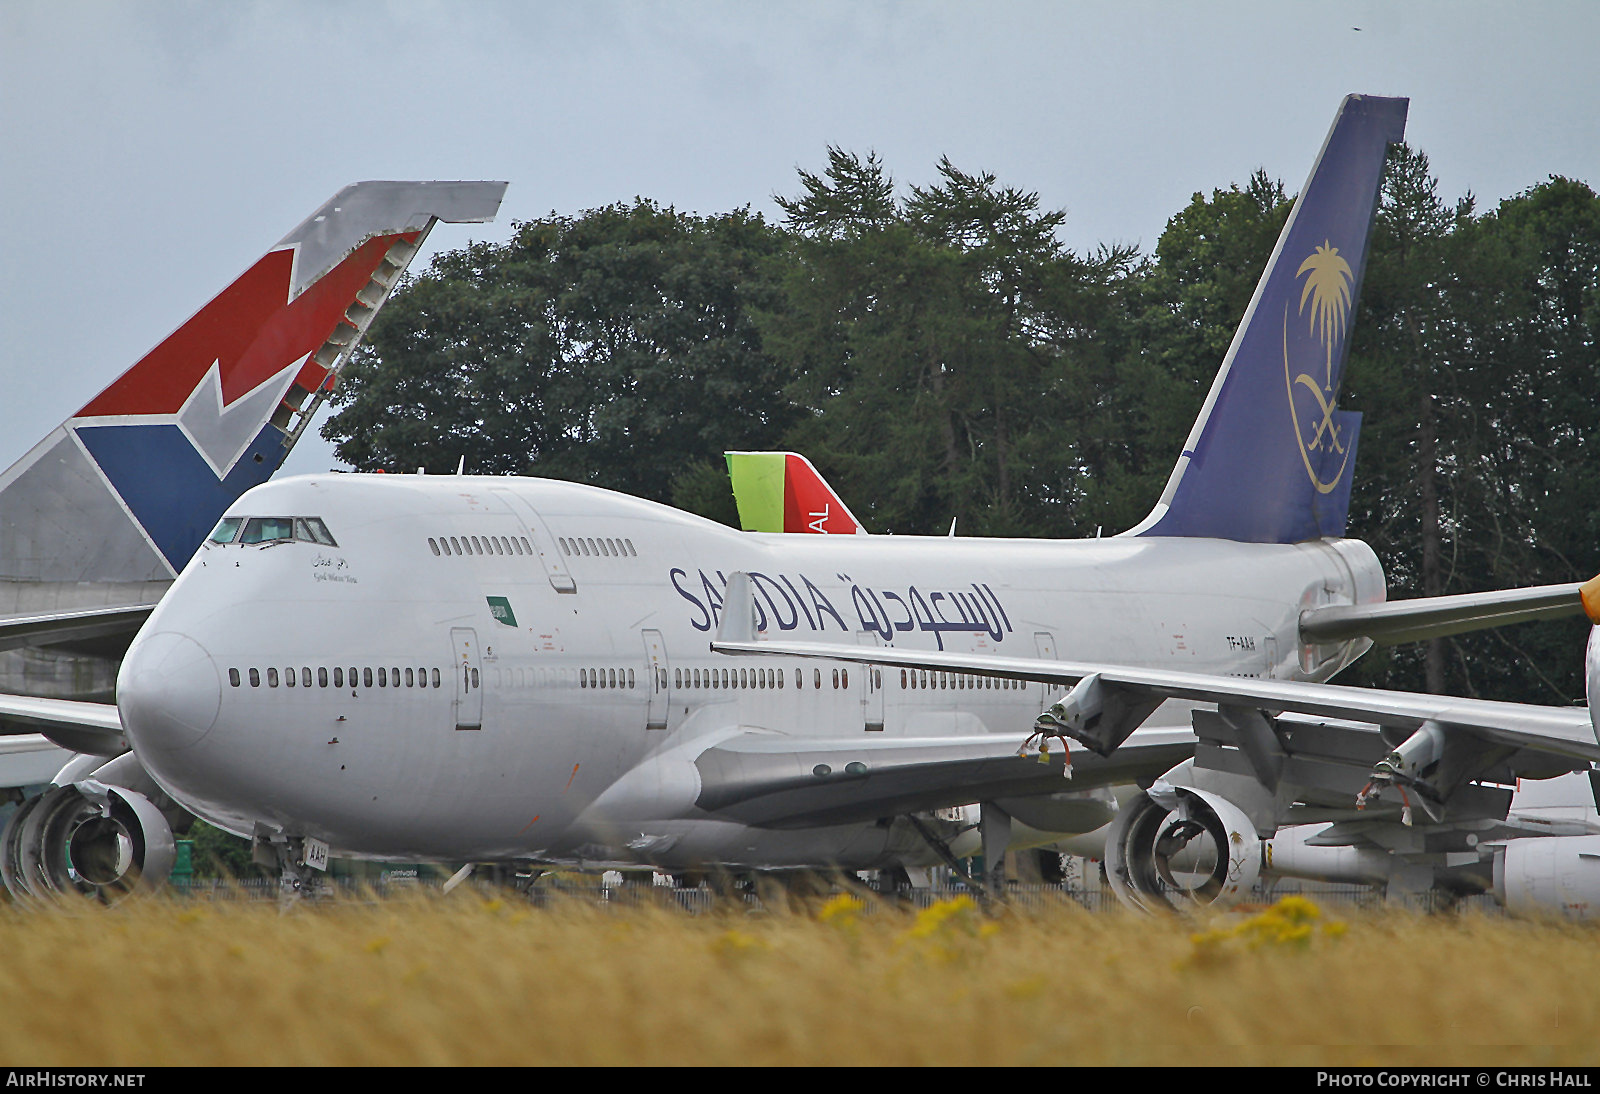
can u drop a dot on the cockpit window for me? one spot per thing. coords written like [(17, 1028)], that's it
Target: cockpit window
[(313, 530), (267, 529), (248, 530)]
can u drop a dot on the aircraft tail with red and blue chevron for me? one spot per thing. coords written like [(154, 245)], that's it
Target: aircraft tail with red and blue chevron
[(127, 488)]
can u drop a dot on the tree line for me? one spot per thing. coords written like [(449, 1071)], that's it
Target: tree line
[(940, 355)]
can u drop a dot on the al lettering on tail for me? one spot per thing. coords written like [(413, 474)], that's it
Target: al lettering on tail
[(783, 492)]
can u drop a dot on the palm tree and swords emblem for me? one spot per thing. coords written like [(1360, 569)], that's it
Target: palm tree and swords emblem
[(1327, 290)]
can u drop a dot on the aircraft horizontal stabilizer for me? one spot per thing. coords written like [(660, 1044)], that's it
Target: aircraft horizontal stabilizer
[(1440, 616)]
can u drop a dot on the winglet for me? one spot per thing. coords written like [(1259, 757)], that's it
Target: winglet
[(1589, 592), (738, 623), (783, 492)]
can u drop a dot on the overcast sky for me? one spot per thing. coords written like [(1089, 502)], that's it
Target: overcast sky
[(153, 150)]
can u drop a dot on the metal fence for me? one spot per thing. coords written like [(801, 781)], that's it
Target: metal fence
[(772, 894)]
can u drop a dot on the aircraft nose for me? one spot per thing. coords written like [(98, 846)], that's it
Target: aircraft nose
[(168, 692)]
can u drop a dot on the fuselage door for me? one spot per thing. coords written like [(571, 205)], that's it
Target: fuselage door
[(469, 680), (657, 672), (872, 681), (543, 543)]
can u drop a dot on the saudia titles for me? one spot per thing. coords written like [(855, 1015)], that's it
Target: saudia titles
[(1313, 402), (885, 612)]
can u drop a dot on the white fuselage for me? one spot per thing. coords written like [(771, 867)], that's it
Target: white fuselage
[(476, 701)]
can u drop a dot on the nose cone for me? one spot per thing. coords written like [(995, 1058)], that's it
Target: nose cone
[(168, 692)]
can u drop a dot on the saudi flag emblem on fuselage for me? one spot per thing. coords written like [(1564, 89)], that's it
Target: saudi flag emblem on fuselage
[(500, 608)]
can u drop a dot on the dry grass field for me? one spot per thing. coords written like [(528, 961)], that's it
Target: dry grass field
[(476, 978)]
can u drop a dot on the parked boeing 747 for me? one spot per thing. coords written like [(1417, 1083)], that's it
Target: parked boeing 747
[(520, 670)]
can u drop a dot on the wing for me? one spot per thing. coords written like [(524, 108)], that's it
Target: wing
[(73, 626), (1564, 731), (781, 782), (93, 728)]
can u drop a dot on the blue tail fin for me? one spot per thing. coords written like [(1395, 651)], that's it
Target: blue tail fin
[(1270, 458)]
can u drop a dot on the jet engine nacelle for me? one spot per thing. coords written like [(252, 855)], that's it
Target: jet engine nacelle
[(1175, 846), (1550, 874), (87, 838)]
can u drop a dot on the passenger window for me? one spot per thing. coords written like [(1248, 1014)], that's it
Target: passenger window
[(366, 678), (409, 678), (455, 544), (844, 677), (338, 677), (394, 675), (902, 679), (677, 678), (561, 541), (255, 678), (630, 678), (227, 531), (272, 678), (475, 678), (612, 673), (322, 677), (435, 677), (233, 677), (527, 549), (816, 678), (631, 551), (835, 679), (779, 674), (799, 679), (383, 677), (288, 678), (593, 550), (433, 545), (499, 544), (305, 676)]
